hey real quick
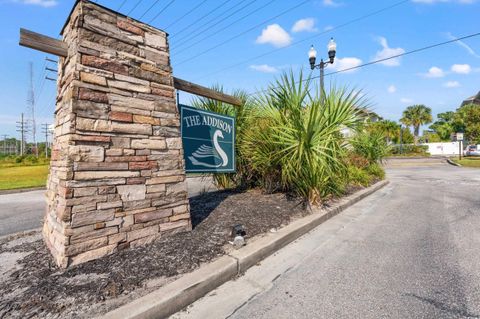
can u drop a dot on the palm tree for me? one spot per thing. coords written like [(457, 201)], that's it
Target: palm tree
[(415, 116), (389, 129)]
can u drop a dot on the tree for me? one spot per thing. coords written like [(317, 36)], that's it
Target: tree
[(445, 125), (415, 116), (467, 120), (389, 129)]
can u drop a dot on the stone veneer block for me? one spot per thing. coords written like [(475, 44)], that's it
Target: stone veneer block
[(117, 177)]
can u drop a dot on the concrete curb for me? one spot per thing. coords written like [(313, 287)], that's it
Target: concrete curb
[(182, 292), (449, 161), (21, 190)]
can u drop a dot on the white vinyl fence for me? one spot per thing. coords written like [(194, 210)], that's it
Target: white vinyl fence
[(445, 148)]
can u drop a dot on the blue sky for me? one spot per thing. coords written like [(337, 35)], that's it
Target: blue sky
[(439, 78)]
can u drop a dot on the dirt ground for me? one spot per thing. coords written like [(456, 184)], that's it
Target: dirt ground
[(31, 286)]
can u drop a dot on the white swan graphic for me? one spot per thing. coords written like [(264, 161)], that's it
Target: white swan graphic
[(207, 151)]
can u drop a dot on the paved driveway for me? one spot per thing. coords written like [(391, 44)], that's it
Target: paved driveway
[(411, 250), (24, 211)]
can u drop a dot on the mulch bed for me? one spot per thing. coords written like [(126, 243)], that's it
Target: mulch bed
[(31, 286)]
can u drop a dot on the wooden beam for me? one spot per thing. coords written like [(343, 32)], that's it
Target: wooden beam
[(193, 88), (53, 46), (43, 43)]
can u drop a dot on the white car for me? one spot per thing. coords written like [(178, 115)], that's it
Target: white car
[(472, 150)]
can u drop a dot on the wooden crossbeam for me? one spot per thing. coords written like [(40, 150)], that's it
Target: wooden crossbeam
[(56, 47), (193, 88), (43, 43)]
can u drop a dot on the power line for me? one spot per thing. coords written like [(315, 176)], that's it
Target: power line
[(187, 13), (363, 17), (226, 27), (160, 12), (384, 59), (153, 5), (134, 7), (243, 32), (200, 19), (121, 5), (204, 27), (200, 29)]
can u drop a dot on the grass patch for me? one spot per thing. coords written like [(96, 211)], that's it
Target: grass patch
[(468, 161), (23, 176)]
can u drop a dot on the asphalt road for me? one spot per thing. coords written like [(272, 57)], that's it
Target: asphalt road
[(411, 250), (25, 211)]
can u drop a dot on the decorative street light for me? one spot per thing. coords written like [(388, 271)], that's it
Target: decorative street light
[(312, 55)]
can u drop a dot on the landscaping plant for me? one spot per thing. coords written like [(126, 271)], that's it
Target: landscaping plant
[(294, 139), (370, 145)]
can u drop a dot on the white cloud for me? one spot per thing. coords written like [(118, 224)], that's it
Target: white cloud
[(461, 68), (392, 89), (434, 72), (406, 100), (41, 3), (307, 25), (451, 84), (328, 28), (331, 3), (275, 35), (265, 68), (463, 45), (346, 63), (388, 52)]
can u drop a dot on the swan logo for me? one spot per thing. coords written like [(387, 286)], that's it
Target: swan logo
[(208, 140)]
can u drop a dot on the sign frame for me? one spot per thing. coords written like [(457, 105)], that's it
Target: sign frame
[(232, 168)]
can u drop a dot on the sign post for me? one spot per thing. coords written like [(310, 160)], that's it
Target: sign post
[(459, 138), (208, 141)]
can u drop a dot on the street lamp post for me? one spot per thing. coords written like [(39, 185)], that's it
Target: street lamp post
[(312, 55)]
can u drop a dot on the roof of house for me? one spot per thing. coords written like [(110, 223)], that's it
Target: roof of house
[(475, 99)]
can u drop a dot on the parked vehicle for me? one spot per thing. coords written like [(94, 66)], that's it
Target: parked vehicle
[(472, 150)]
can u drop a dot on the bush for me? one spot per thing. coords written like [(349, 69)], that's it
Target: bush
[(409, 149), (31, 159), (370, 145), (375, 170), (357, 160), (358, 176), (293, 141)]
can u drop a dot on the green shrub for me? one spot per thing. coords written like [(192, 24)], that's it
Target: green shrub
[(31, 159), (409, 149), (370, 145), (293, 141), (376, 170), (358, 176)]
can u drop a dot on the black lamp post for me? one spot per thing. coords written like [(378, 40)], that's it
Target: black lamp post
[(312, 55)]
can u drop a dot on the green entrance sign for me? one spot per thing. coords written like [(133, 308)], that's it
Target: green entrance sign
[(208, 141)]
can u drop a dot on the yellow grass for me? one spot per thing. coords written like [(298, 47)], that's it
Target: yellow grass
[(469, 161), (23, 176)]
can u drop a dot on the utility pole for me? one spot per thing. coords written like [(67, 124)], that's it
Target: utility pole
[(4, 144), (22, 128), (45, 130), (31, 109)]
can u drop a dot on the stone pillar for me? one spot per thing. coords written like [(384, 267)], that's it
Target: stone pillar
[(117, 176)]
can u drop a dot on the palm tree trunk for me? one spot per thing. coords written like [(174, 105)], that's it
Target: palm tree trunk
[(416, 131)]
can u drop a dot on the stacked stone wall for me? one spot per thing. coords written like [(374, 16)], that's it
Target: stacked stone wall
[(117, 177)]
